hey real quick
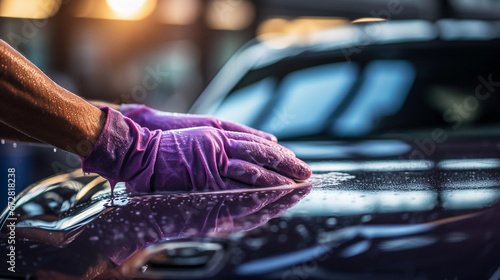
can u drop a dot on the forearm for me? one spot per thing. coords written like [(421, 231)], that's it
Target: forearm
[(37, 107), (9, 133)]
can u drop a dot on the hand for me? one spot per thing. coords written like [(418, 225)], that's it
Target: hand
[(200, 159), (154, 119)]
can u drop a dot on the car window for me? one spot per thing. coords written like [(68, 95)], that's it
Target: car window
[(382, 94), (385, 86), (306, 99), (246, 104)]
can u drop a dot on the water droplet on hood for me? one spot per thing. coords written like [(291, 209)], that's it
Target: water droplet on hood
[(331, 221)]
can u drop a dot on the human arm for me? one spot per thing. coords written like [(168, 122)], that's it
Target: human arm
[(9, 133), (37, 107)]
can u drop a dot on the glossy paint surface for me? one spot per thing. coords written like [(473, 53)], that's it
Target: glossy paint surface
[(377, 215)]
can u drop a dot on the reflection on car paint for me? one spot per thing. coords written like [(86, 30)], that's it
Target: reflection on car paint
[(343, 149), (433, 218), (461, 164), (378, 165), (72, 223)]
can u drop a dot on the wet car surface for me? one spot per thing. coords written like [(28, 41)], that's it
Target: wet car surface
[(356, 218), (70, 226)]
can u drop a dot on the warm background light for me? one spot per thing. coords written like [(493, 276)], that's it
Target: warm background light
[(115, 9), (230, 14), (281, 32), (302, 25), (125, 8), (368, 20), (180, 12), (29, 8)]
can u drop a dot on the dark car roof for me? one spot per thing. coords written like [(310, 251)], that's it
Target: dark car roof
[(364, 81), (344, 43), (396, 10)]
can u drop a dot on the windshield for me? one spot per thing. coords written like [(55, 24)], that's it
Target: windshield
[(382, 93)]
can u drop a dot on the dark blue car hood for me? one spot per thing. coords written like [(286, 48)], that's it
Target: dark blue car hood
[(380, 209)]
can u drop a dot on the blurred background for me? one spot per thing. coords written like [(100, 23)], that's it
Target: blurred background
[(164, 52)]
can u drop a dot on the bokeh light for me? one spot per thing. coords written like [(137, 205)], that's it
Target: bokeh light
[(115, 9), (36, 9), (125, 7), (179, 12), (230, 15)]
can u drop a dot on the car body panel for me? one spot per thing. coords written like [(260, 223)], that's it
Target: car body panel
[(383, 217)]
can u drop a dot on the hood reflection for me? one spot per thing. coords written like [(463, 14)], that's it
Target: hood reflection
[(67, 225)]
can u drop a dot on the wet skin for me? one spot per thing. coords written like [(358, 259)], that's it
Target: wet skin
[(42, 110)]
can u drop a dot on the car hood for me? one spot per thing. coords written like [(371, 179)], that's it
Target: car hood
[(378, 209)]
